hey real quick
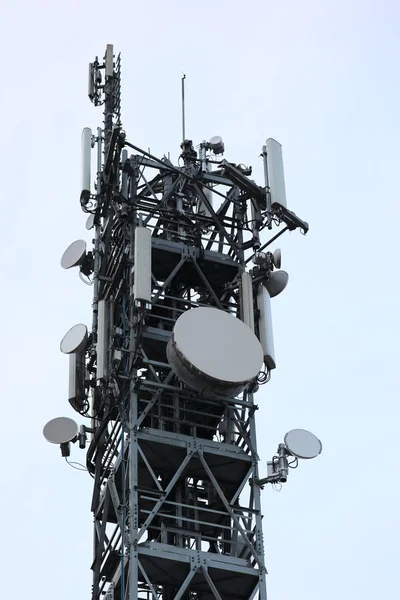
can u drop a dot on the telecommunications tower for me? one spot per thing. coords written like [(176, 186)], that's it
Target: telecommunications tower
[(167, 372)]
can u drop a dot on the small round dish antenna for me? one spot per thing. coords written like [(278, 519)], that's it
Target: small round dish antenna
[(277, 283), (60, 430), (90, 222), (213, 352), (302, 443), (74, 340), (217, 145), (74, 254), (277, 258)]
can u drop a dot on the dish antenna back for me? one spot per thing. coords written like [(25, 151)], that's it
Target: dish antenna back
[(74, 254), (276, 283)]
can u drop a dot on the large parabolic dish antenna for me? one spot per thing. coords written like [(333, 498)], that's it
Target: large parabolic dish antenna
[(214, 352)]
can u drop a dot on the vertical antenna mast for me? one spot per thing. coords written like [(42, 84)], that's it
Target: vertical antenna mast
[(183, 108), (181, 341)]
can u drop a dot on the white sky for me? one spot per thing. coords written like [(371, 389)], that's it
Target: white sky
[(322, 78)]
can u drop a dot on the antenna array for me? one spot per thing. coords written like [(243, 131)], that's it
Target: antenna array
[(180, 342)]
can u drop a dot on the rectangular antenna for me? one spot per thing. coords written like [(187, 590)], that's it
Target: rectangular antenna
[(109, 60), (276, 177), (142, 269), (76, 388), (247, 300), (86, 157), (265, 332), (91, 91), (102, 340)]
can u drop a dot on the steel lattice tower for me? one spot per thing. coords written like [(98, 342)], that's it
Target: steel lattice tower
[(176, 493)]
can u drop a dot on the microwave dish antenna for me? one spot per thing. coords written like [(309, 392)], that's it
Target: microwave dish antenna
[(276, 283), (74, 254), (75, 339), (60, 430), (303, 444), (211, 350)]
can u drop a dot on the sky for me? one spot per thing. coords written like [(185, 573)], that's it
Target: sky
[(322, 78)]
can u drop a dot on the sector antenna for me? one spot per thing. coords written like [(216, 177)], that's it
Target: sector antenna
[(165, 380)]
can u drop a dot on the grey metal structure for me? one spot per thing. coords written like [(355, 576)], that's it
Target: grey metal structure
[(176, 499)]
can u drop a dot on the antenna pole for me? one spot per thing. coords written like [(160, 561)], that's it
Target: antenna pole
[(183, 108)]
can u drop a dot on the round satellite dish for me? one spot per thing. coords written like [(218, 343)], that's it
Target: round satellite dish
[(277, 258), (213, 352), (217, 145), (303, 444), (74, 254), (277, 283), (60, 430), (90, 222), (75, 339)]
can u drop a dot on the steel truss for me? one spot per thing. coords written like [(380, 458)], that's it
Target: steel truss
[(176, 515)]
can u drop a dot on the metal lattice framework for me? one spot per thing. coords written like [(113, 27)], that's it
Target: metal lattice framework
[(176, 507)]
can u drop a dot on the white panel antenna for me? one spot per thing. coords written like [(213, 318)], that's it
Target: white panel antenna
[(91, 90), (247, 300), (76, 384), (102, 340), (86, 156), (265, 330), (142, 281), (206, 168), (109, 61), (276, 177)]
